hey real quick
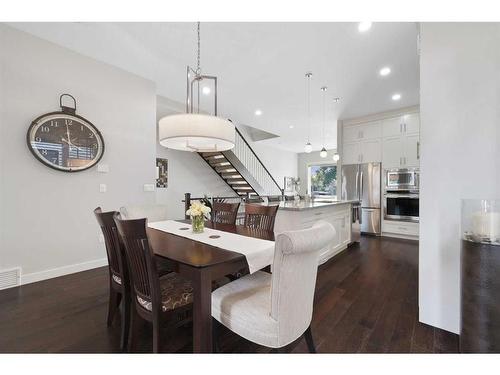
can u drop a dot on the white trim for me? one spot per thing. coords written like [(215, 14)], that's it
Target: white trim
[(61, 271), (380, 116)]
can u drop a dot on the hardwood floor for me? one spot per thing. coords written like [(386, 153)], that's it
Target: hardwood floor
[(366, 302)]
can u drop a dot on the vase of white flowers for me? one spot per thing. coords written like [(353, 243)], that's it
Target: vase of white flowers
[(197, 212)]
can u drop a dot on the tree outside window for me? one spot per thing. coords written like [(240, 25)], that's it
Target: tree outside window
[(323, 180)]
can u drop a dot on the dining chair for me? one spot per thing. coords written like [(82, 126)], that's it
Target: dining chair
[(164, 301), (260, 217), (224, 213), (152, 212), (119, 282), (275, 310)]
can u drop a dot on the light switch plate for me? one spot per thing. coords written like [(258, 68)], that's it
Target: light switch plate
[(103, 168), (149, 187), (102, 188)]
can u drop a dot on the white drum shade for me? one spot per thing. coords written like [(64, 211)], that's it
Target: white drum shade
[(196, 132)]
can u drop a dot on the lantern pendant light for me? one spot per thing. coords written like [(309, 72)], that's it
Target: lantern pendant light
[(308, 146), (193, 131), (323, 152)]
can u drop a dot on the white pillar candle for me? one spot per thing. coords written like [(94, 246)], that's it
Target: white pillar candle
[(486, 225)]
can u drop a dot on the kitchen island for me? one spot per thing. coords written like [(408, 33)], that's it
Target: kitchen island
[(303, 214)]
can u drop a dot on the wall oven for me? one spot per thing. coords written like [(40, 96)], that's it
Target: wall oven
[(401, 197), (401, 206)]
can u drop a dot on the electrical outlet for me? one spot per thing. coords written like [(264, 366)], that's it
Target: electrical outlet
[(102, 188)]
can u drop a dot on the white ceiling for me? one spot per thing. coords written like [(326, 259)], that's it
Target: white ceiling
[(262, 65)]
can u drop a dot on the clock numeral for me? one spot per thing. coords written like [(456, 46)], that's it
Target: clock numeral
[(54, 124), (91, 135), (45, 129), (81, 127), (94, 145), (54, 160), (38, 139), (68, 121), (43, 152)]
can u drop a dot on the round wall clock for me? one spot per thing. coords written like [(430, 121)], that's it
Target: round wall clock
[(64, 140)]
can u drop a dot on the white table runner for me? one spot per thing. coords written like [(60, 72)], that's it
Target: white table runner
[(259, 253)]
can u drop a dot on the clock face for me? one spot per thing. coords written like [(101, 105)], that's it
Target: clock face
[(65, 142)]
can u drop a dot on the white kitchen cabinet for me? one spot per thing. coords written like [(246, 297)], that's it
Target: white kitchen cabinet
[(411, 150), (351, 133), (351, 153), (370, 151), (370, 130), (411, 123), (362, 152), (401, 141), (392, 127), (400, 229), (391, 152)]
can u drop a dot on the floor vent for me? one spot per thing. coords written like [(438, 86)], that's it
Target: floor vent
[(10, 278)]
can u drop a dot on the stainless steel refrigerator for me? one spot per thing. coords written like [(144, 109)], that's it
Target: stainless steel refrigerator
[(363, 182)]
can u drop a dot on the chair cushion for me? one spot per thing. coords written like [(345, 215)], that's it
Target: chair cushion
[(244, 306), (117, 279), (175, 292)]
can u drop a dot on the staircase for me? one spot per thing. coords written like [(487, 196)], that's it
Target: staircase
[(242, 169)]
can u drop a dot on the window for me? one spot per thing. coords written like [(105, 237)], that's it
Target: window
[(323, 180)]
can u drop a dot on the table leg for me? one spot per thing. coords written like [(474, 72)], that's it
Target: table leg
[(202, 311)]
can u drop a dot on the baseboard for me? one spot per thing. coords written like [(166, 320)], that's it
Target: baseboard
[(401, 236), (61, 271)]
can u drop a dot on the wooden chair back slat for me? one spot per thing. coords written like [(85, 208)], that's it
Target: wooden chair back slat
[(143, 269), (224, 213), (260, 217), (111, 241)]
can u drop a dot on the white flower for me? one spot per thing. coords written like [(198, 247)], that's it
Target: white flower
[(197, 209)]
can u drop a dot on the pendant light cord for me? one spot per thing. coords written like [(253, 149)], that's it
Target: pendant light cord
[(308, 93), (198, 68), (324, 113)]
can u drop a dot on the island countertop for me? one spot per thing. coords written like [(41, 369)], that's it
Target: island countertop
[(307, 205)]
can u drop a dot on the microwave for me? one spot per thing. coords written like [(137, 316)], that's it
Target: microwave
[(406, 179)]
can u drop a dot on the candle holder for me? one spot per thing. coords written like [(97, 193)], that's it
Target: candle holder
[(480, 276)]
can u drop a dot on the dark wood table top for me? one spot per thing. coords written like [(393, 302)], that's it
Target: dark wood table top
[(198, 254)]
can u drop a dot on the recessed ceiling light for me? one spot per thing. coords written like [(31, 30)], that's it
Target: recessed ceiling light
[(364, 26), (206, 90), (396, 97), (385, 71), (258, 112), (291, 126)]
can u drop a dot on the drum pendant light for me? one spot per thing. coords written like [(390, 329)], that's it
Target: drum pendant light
[(192, 131)]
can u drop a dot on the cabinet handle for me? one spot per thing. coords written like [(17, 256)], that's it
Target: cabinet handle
[(405, 127), (400, 128), (418, 150)]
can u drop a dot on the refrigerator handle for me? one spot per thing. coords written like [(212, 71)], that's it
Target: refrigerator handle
[(361, 186), (357, 187)]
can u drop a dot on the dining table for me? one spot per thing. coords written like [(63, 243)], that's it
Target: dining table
[(203, 263)]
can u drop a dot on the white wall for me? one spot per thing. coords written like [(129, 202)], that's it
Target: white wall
[(305, 160), (187, 172), (48, 227), (460, 153), (279, 163)]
